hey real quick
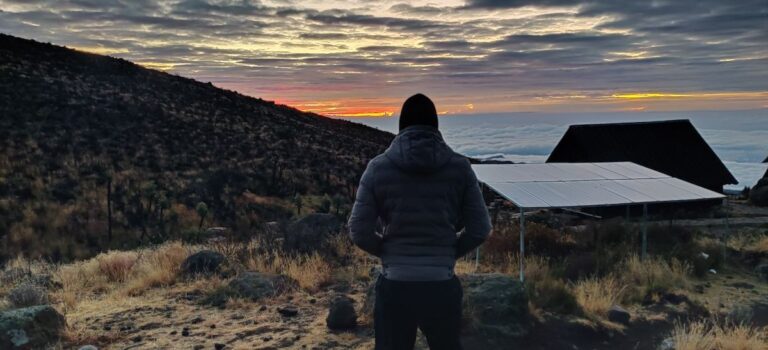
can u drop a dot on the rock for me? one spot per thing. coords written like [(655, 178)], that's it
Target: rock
[(288, 311), (257, 285), (206, 261), (742, 285), (32, 327), (667, 344), (675, 299), (341, 314), (88, 347), (762, 271), (308, 234), (617, 314), (219, 346), (498, 305), (185, 332)]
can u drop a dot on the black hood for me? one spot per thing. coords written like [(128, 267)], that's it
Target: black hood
[(419, 149)]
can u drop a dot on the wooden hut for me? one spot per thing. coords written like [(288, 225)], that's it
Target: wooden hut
[(673, 147)]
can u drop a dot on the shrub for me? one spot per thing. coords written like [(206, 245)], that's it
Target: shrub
[(116, 265), (539, 239), (310, 271), (596, 295), (708, 335), (578, 266), (653, 275), (665, 238), (552, 295), (159, 267), (27, 294)]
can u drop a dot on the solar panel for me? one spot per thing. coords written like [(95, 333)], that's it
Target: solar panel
[(575, 185)]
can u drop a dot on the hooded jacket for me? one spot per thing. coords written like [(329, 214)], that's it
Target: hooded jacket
[(412, 203)]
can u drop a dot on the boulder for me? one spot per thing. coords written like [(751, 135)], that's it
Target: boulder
[(497, 306), (34, 327), (202, 262), (256, 285), (617, 314), (341, 314), (308, 234)]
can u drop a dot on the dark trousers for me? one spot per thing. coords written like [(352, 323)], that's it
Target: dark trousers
[(433, 307)]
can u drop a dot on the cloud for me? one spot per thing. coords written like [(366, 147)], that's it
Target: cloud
[(503, 54)]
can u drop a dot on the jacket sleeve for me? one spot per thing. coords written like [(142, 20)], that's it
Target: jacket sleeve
[(364, 217), (477, 222)]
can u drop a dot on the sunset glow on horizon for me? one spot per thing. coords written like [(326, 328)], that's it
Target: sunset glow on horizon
[(349, 58)]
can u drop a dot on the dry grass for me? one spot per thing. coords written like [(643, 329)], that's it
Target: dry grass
[(749, 240), (694, 336), (595, 296), (310, 271), (759, 246), (654, 275), (536, 267), (708, 335), (117, 265), (157, 268), (121, 273)]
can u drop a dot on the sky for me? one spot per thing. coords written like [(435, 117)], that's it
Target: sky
[(363, 58)]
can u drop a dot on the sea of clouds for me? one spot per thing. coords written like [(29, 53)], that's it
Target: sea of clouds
[(740, 138)]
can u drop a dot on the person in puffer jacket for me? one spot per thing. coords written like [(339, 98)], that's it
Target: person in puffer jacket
[(419, 208)]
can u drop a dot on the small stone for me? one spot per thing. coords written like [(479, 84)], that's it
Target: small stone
[(267, 338), (288, 311), (667, 344), (185, 332), (213, 326), (107, 327), (262, 308), (136, 339), (618, 314), (219, 346), (205, 261), (197, 320), (312, 301), (341, 314)]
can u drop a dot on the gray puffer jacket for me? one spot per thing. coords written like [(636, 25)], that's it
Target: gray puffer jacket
[(419, 194)]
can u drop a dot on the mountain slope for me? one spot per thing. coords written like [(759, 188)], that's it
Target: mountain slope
[(74, 126)]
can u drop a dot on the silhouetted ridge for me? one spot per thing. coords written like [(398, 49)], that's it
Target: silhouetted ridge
[(72, 121)]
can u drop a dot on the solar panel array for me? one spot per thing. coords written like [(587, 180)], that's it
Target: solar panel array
[(577, 185)]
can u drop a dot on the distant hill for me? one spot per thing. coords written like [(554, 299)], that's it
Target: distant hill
[(77, 128)]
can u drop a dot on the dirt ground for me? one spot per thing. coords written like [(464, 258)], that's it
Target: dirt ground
[(173, 318)]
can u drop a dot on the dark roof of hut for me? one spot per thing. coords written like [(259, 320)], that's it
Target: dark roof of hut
[(673, 147)]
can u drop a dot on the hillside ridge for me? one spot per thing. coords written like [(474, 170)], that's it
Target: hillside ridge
[(77, 128)]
